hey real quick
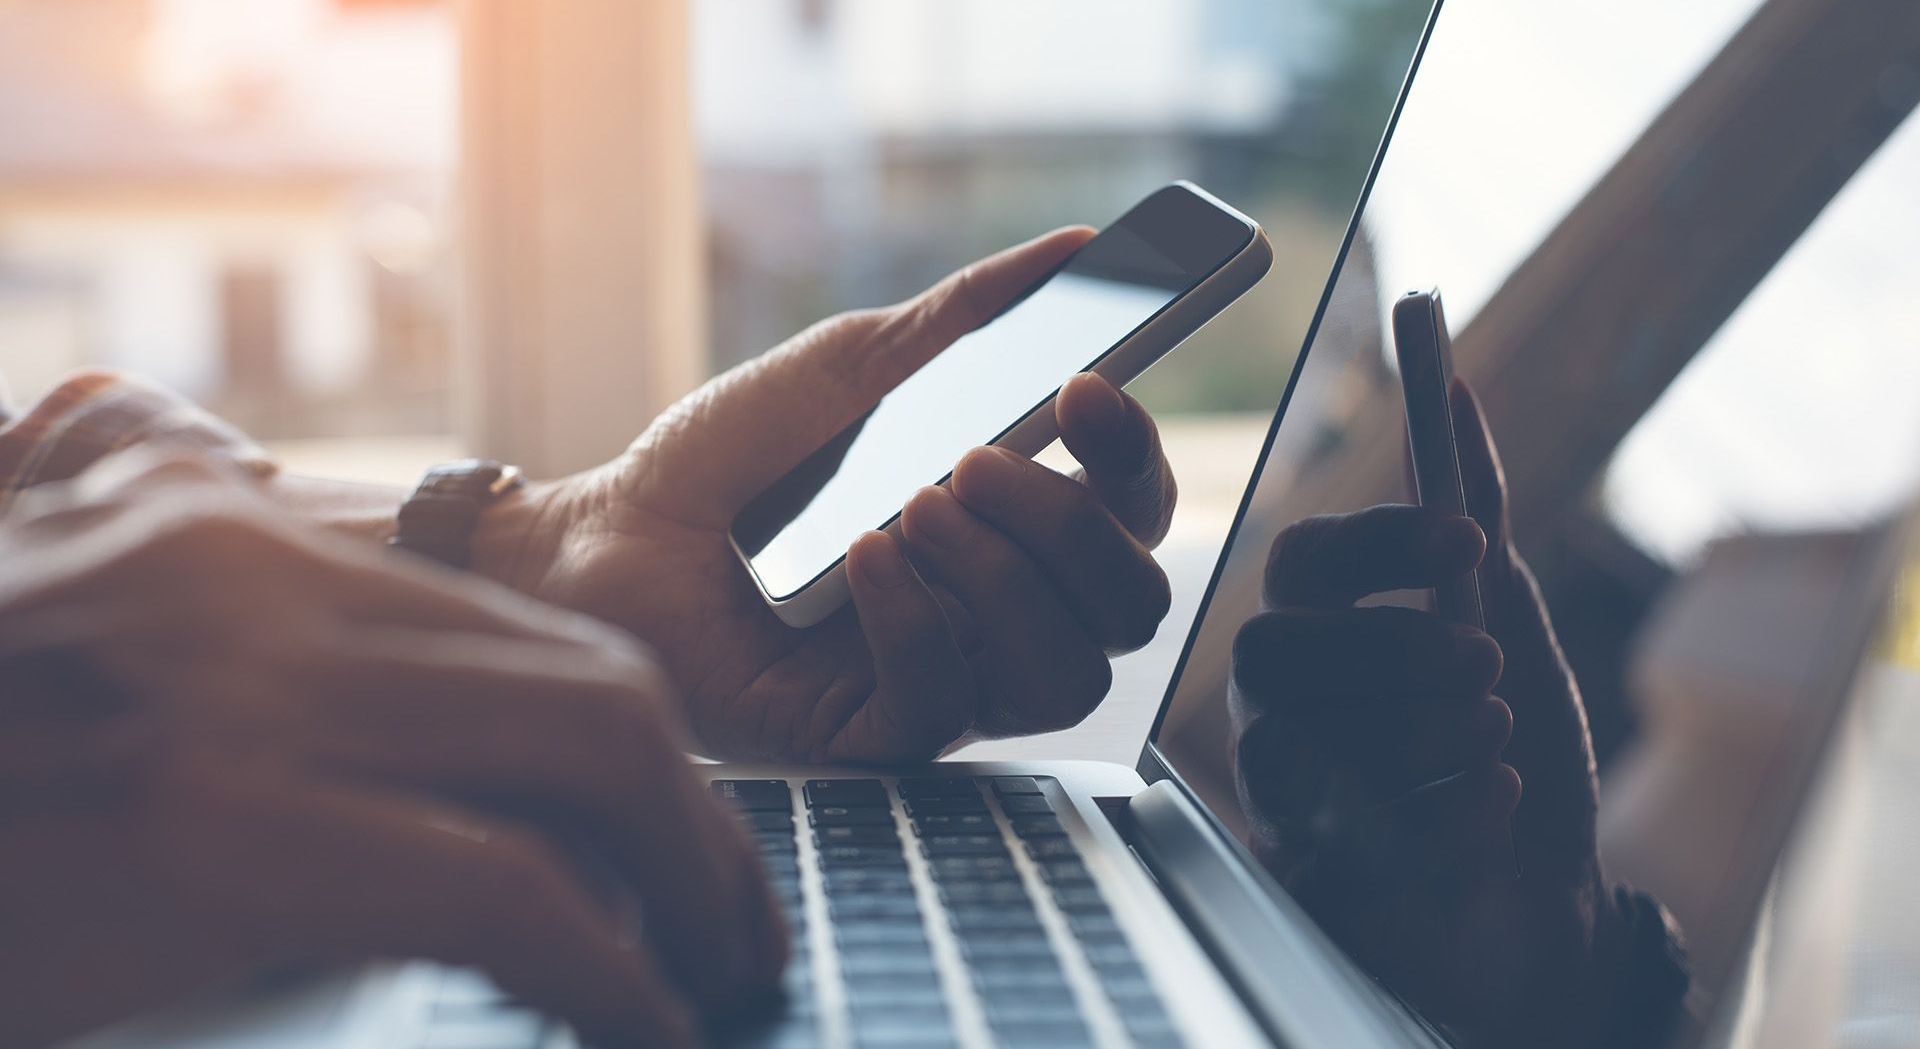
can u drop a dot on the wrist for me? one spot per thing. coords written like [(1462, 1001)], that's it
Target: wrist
[(362, 511), (518, 535)]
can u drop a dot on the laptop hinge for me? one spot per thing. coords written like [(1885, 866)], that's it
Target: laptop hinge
[(1297, 985)]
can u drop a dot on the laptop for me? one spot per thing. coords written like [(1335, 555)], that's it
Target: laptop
[(1049, 904)]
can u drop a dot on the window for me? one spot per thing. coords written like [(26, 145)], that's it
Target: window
[(247, 202)]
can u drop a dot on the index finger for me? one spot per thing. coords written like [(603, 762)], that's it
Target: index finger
[(1118, 445), (1337, 559)]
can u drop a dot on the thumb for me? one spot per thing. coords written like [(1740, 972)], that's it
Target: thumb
[(1551, 747), (733, 438)]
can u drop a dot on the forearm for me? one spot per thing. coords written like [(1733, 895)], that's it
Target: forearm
[(368, 512)]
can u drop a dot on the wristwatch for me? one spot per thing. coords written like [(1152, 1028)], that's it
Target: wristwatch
[(438, 519)]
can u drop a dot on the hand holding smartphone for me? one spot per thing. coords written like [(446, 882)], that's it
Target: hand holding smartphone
[(1425, 352), (1127, 297)]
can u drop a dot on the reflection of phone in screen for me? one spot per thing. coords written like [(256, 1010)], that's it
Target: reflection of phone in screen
[(1128, 296), (1425, 350)]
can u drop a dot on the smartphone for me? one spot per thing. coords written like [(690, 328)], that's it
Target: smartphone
[(1129, 295), (1425, 351)]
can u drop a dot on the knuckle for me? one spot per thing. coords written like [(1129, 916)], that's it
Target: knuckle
[(1293, 549), (1256, 648), (1148, 608), (1082, 514), (522, 871)]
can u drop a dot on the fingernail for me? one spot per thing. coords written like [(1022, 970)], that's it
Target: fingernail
[(1458, 540), (1103, 401), (938, 518), (1492, 725), (880, 561), (985, 479), (1479, 654)]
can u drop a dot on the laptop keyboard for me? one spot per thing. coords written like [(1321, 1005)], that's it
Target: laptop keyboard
[(1007, 976), (895, 991)]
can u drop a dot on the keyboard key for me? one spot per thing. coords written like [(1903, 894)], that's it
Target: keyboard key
[(903, 1038), (873, 1010), (1045, 1035), (843, 816), (938, 787), (975, 868), (862, 856), (919, 807), (1052, 849), (855, 835), (1004, 1013), (866, 962), (1038, 827), (754, 795), (1020, 1029), (846, 792), (774, 840), (866, 880), (1027, 805), (850, 908), (1038, 972), (767, 820), (1065, 872), (982, 920), (958, 894), (902, 935), (935, 845), (1079, 898), (954, 823), (1012, 948), (1005, 786)]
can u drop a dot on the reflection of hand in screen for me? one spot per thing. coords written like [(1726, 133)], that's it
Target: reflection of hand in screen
[(1393, 792)]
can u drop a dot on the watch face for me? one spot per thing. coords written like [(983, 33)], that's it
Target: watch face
[(438, 519)]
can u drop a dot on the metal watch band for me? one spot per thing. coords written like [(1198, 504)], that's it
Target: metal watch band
[(438, 519)]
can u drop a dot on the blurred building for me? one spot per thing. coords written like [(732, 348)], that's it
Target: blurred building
[(240, 200), (856, 149)]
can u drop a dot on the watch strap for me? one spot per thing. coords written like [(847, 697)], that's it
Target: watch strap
[(438, 520)]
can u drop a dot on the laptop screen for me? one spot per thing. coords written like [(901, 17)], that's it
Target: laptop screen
[(1698, 424)]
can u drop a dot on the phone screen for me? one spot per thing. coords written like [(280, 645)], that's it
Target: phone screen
[(984, 384)]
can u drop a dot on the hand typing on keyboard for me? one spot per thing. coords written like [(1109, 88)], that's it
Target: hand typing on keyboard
[(228, 745)]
